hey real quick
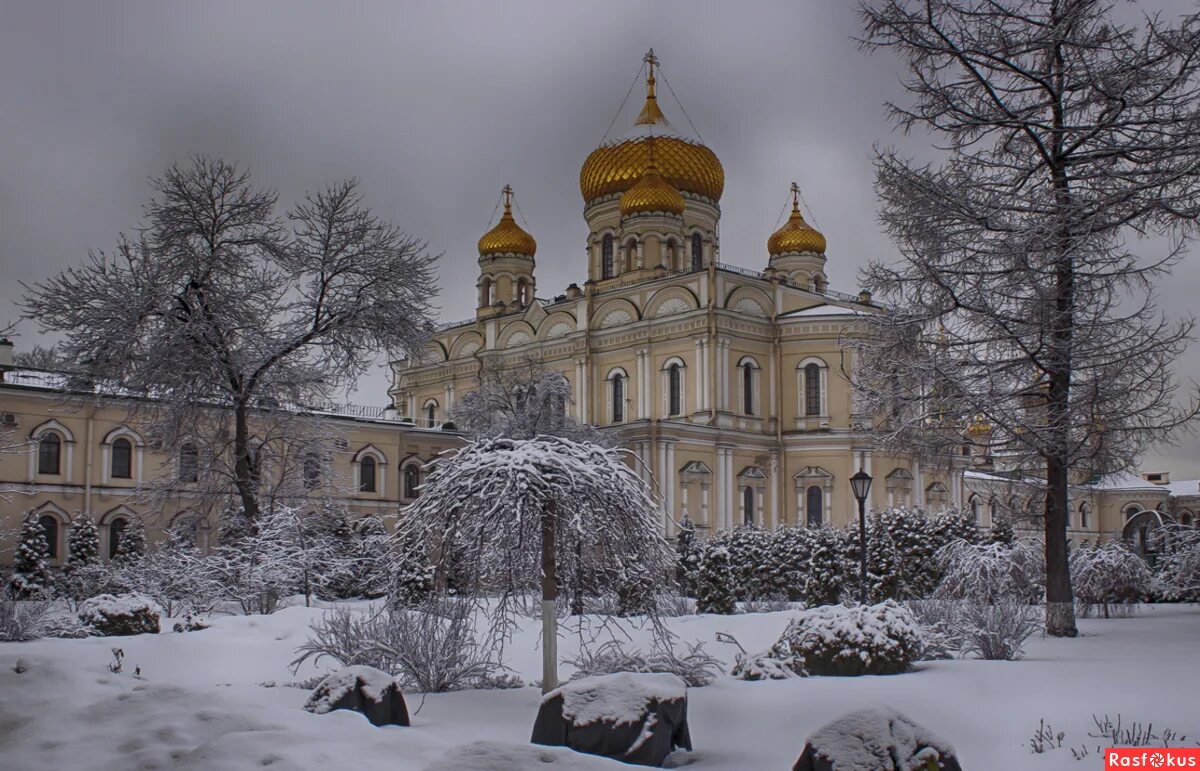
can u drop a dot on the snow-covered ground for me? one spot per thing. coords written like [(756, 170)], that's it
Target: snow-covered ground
[(205, 701)]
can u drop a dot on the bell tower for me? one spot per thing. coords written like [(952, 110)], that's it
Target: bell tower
[(506, 264)]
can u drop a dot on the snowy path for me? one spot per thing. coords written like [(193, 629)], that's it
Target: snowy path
[(200, 705)]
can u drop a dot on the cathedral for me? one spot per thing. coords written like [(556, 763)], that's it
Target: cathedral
[(727, 384)]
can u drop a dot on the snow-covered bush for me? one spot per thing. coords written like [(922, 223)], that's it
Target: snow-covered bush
[(989, 572), (762, 666), (431, 649), (83, 544), (132, 546), (22, 620), (687, 555), (941, 634), (89, 580), (996, 631), (1110, 578), (825, 579), (31, 578), (749, 548), (1178, 566), (636, 591), (117, 615), (715, 583), (880, 639), (879, 738), (176, 575), (411, 573), (696, 667)]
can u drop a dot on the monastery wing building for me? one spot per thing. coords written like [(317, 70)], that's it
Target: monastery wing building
[(727, 383)]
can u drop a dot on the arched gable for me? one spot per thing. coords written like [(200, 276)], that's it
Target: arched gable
[(515, 334), (750, 300), (671, 301), (374, 452), (614, 313), (126, 432), (465, 345), (52, 425), (119, 512), (558, 324)]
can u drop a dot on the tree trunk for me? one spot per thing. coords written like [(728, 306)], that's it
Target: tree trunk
[(1060, 601), (243, 469), (549, 604)]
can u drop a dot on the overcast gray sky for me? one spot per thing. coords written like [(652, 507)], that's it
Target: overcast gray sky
[(434, 107)]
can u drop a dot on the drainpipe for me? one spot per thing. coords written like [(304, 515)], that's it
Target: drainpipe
[(89, 461)]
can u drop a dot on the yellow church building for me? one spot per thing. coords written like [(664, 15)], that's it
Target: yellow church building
[(727, 384)]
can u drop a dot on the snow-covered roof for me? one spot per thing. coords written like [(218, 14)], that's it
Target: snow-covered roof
[(1124, 480), (1184, 487), (824, 309)]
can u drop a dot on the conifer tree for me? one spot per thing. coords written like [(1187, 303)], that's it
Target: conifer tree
[(83, 544), (688, 556), (31, 573), (132, 547), (715, 582)]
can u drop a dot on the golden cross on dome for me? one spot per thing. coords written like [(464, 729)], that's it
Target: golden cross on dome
[(508, 194), (795, 197)]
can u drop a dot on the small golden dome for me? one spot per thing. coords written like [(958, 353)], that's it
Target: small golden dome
[(651, 193), (796, 235), (507, 237), (687, 165)]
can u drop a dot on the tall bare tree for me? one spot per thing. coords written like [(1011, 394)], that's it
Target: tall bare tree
[(1023, 298), (218, 306)]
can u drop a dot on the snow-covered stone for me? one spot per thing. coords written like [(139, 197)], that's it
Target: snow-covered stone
[(368, 690), (880, 739), (120, 614), (634, 718)]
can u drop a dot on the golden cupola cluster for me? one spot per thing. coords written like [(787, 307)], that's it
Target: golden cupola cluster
[(507, 237), (796, 235), (685, 164), (651, 194)]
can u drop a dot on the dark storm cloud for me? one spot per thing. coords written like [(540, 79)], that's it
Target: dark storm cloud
[(435, 106)]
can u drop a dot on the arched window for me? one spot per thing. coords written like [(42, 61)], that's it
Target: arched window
[(1085, 515), (618, 398), (814, 506), (485, 292), (189, 463), (50, 454), (366, 474), (975, 509), (748, 504), (430, 413), (412, 481), (993, 510), (122, 458), (748, 388), (606, 257), (311, 471), (116, 529), (1131, 509), (1186, 519), (674, 390), (697, 252), (49, 524), (812, 389)]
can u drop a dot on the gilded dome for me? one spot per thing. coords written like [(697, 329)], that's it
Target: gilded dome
[(507, 237), (687, 165), (796, 235), (651, 193)]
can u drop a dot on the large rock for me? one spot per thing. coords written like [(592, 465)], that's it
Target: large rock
[(113, 615), (370, 691), (881, 739), (635, 718)]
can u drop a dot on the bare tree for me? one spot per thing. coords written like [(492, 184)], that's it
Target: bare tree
[(520, 401), (218, 307), (512, 513), (1020, 302)]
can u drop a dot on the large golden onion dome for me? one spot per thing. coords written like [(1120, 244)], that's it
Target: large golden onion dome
[(796, 235), (687, 165), (651, 193), (507, 237)]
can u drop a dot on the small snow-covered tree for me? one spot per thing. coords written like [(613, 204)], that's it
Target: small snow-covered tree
[(1109, 577), (517, 512), (715, 582), (176, 575), (829, 573), (411, 572), (990, 572), (369, 546), (521, 402), (749, 548), (31, 571), (687, 556), (257, 570), (132, 546), (1002, 533), (788, 561), (1179, 563), (83, 544)]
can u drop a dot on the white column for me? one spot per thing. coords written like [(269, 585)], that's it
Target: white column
[(660, 473), (670, 482), (918, 493), (773, 481), (770, 410), (731, 485), (719, 493), (644, 385), (705, 491), (580, 401), (699, 370)]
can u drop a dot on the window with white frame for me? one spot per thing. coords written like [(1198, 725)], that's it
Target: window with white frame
[(813, 386), (1085, 515), (673, 386), (411, 484), (606, 256), (748, 378), (430, 413), (618, 382)]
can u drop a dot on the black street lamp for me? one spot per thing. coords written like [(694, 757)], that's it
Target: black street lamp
[(860, 483)]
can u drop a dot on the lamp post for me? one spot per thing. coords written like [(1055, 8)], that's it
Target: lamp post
[(860, 483)]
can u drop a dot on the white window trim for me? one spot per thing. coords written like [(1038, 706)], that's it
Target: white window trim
[(405, 465), (613, 374), (106, 454), (67, 448), (666, 387), (380, 470), (755, 387), (802, 387)]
